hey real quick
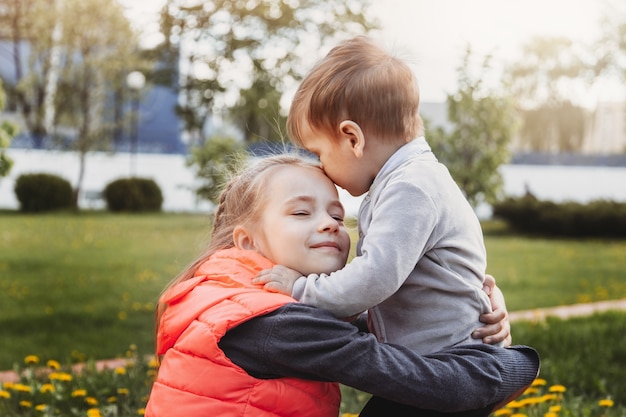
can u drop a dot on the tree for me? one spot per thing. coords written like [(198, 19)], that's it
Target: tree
[(215, 160), (239, 58), (482, 126), (546, 83), (7, 132)]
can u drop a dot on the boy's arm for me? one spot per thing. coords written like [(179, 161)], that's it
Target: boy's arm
[(397, 237), (278, 279)]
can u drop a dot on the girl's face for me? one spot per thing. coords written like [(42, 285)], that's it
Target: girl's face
[(301, 225)]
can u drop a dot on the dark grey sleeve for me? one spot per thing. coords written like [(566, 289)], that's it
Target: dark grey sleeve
[(306, 342)]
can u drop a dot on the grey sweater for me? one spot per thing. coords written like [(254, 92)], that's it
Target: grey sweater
[(420, 261)]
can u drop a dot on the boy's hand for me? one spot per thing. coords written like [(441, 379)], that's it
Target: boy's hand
[(497, 327), (278, 279)]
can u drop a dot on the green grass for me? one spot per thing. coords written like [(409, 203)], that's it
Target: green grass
[(78, 286)]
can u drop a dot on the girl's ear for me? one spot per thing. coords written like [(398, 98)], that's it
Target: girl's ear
[(242, 238), (352, 135)]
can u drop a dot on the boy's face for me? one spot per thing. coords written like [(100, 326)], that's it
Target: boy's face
[(338, 160), (302, 222)]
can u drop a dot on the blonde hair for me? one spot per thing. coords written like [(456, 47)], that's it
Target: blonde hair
[(358, 81), (241, 203)]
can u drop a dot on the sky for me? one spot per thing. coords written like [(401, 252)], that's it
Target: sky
[(432, 35)]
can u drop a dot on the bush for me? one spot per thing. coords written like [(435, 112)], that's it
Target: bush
[(527, 214), (43, 192), (133, 194)]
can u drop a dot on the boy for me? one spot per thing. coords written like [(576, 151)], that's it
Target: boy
[(421, 258)]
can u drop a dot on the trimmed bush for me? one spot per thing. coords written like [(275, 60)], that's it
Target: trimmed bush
[(133, 194), (43, 192), (527, 214)]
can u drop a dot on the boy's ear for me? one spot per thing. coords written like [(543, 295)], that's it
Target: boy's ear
[(242, 238), (352, 132)]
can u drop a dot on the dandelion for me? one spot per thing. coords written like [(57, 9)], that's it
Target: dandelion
[(519, 415), (26, 404), (79, 393), (122, 391), (5, 394), (555, 408), (606, 403), (31, 360), (91, 401), (93, 412), (41, 407), (47, 388), (349, 415), (22, 388), (8, 385), (112, 399), (539, 382), (52, 364), (153, 363), (531, 391), (120, 371), (550, 415), (60, 376), (142, 411), (503, 412), (558, 388)]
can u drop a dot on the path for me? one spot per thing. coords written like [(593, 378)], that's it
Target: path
[(564, 312)]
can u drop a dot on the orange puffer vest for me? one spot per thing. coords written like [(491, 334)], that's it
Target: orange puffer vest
[(196, 378)]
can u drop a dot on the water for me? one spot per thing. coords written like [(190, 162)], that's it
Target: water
[(177, 181)]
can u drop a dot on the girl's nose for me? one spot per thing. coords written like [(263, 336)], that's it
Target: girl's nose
[(329, 224)]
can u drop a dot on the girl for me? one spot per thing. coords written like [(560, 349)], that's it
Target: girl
[(229, 348)]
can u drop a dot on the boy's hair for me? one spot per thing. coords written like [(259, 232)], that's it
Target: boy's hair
[(241, 203), (362, 82)]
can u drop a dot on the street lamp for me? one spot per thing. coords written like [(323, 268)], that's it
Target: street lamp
[(135, 81)]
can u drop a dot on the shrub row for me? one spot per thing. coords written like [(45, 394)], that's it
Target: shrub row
[(46, 192), (527, 214)]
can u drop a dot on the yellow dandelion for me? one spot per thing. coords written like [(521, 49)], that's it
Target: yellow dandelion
[(120, 370), (515, 404), (531, 391), (503, 412), (79, 393), (519, 415), (112, 399), (141, 411), (8, 385), (122, 391), (606, 403), (5, 394), (41, 407), (539, 382), (349, 415), (60, 376), (52, 364), (47, 388), (548, 414), (153, 363), (549, 397), (555, 408), (93, 412), (22, 388), (122, 315), (26, 404), (91, 401), (558, 388), (31, 360)]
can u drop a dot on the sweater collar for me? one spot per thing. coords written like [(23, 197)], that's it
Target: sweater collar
[(414, 148)]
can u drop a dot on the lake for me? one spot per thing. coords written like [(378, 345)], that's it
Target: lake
[(177, 181)]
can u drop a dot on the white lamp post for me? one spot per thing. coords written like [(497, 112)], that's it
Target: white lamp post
[(135, 81)]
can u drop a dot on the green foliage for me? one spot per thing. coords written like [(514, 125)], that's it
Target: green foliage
[(43, 192), (133, 195), (581, 353), (266, 43), (214, 162), (527, 214), (7, 133), (483, 124)]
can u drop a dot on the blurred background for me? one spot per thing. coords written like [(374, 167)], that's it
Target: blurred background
[(97, 90)]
